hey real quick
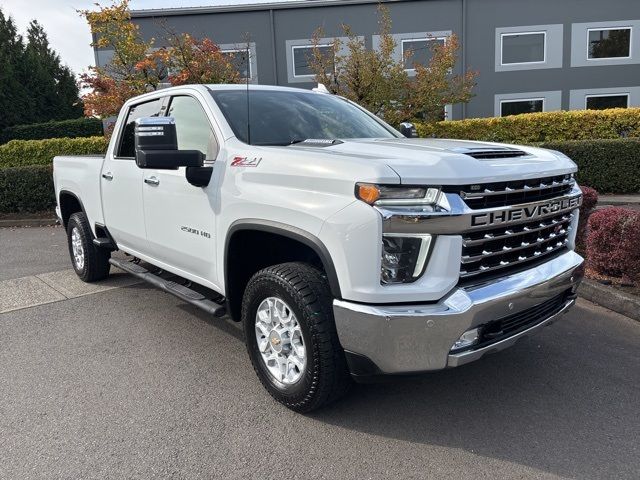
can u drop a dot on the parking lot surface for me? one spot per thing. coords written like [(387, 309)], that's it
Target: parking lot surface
[(120, 380)]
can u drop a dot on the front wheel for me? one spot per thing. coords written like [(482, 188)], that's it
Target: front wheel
[(91, 263), (291, 336)]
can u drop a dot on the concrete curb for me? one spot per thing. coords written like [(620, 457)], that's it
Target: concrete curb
[(615, 200), (611, 298), (28, 222)]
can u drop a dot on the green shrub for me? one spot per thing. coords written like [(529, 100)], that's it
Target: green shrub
[(26, 189), (41, 152), (78, 127), (609, 166), (541, 127)]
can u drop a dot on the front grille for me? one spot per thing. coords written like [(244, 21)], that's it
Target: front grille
[(502, 194), (508, 248), (506, 327)]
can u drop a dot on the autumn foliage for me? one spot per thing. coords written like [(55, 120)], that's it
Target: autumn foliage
[(137, 66), (377, 79)]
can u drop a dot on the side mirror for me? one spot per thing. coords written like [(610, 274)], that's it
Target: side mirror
[(156, 145), (408, 129)]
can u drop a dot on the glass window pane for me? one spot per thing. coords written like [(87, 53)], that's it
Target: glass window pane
[(127, 140), (612, 101), (240, 60), (303, 57), (418, 51), (523, 48), (521, 106), (609, 43), (192, 126)]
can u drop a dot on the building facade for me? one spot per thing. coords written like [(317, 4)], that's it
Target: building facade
[(530, 56)]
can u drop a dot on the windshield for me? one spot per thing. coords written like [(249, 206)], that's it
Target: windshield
[(285, 117)]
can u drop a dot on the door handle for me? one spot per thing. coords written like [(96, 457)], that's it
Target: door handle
[(152, 181), (107, 176)]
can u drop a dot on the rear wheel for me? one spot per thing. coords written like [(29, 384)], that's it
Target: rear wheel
[(91, 263), (291, 336)]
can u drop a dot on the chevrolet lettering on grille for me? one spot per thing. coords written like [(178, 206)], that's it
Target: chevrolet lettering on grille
[(525, 213)]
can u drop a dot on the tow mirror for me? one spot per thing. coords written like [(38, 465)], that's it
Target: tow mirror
[(156, 145), (408, 129)]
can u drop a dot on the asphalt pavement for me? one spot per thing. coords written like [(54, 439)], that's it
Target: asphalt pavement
[(123, 381)]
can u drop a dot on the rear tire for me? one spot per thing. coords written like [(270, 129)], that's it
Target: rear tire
[(291, 336), (91, 263)]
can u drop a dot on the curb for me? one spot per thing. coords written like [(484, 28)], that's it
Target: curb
[(611, 298), (29, 222)]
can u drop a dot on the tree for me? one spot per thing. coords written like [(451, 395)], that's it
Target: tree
[(34, 84), (377, 79), (138, 67)]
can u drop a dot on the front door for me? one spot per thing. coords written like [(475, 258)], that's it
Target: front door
[(179, 217), (121, 183)]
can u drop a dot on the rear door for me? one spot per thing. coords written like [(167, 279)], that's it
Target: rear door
[(179, 217), (122, 180)]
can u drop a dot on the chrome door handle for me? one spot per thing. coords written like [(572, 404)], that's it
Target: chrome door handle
[(107, 176), (152, 181)]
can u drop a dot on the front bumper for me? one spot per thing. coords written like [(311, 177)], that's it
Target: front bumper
[(395, 339)]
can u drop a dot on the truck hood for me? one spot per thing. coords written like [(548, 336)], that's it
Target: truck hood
[(451, 162)]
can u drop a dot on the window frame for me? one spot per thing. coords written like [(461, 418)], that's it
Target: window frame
[(243, 50), (600, 29), (167, 106), (600, 95), (519, 100), (161, 113), (515, 34), (307, 47), (418, 39)]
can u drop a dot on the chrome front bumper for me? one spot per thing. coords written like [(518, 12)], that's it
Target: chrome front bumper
[(417, 338)]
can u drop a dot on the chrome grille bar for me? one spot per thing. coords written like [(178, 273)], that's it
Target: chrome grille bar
[(526, 189)]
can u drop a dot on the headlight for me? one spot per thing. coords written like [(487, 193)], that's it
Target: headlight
[(404, 257), (381, 195)]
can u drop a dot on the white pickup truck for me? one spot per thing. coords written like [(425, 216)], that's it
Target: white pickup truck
[(346, 249)]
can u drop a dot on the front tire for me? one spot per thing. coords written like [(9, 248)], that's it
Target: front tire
[(291, 336), (91, 263)]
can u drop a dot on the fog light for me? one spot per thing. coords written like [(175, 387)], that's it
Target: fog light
[(467, 339)]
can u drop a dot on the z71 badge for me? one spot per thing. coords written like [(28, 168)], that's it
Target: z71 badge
[(245, 162)]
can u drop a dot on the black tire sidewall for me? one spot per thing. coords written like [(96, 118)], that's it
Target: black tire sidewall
[(74, 223), (263, 288)]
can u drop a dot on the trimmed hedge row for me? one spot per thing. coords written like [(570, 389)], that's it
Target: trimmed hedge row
[(541, 127), (41, 152), (26, 189), (609, 166), (78, 127)]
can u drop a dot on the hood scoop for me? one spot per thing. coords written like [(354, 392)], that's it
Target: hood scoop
[(489, 153)]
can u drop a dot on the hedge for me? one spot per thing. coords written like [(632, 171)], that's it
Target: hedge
[(41, 152), (78, 127), (26, 189), (609, 166), (541, 127)]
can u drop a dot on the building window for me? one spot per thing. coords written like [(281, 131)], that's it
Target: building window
[(517, 107), (609, 43), (523, 47), (240, 59), (303, 58), (602, 102), (418, 51)]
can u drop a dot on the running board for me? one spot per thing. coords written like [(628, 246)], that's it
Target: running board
[(183, 293)]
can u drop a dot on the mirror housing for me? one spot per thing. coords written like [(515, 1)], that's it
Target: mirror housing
[(156, 144), (409, 130)]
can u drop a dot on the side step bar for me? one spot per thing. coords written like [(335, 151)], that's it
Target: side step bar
[(183, 293)]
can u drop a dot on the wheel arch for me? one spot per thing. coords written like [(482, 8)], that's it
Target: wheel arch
[(69, 204), (297, 243)]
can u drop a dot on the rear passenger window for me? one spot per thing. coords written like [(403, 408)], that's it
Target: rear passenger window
[(126, 149)]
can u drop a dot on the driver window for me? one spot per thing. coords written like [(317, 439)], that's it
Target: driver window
[(193, 129)]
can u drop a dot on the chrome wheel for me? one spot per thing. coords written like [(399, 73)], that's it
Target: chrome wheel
[(77, 248), (280, 340)]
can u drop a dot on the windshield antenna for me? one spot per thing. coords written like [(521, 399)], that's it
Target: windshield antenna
[(248, 107)]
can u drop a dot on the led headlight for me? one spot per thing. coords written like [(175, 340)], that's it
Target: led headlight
[(404, 257), (381, 195)]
